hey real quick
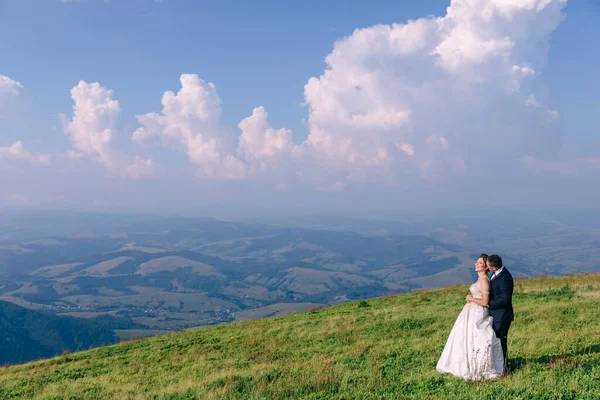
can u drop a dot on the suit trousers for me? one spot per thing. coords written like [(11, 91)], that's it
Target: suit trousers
[(501, 331)]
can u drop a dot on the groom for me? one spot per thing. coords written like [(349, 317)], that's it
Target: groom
[(500, 303)]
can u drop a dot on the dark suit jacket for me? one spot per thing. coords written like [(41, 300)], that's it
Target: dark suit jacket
[(500, 304)]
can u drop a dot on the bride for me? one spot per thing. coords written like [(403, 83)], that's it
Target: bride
[(473, 352)]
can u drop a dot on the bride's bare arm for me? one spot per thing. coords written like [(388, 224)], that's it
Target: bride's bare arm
[(484, 286)]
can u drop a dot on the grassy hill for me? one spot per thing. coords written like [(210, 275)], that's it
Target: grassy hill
[(381, 348)]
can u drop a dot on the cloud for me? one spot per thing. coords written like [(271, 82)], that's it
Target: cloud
[(432, 93), (263, 147), (9, 89), (93, 126), (17, 153), (418, 111), (73, 155), (12, 98), (432, 98), (425, 99), (407, 148), (189, 121), (92, 131), (139, 168), (437, 141)]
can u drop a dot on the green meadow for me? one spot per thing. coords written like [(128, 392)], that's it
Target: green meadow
[(384, 348)]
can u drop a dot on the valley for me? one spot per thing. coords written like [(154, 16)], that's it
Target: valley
[(169, 274)]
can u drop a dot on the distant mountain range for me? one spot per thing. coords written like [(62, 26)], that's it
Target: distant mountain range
[(176, 273)]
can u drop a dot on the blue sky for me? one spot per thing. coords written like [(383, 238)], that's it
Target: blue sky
[(263, 54), (257, 54)]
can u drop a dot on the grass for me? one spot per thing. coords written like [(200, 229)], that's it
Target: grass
[(384, 348)]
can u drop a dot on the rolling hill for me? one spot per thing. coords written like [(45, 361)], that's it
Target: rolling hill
[(384, 348), (173, 274)]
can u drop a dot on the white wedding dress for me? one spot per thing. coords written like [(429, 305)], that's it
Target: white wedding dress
[(473, 352)]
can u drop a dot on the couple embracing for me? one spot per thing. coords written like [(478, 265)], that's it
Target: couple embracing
[(477, 346)]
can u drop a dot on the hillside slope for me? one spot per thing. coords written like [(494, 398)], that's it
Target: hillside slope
[(28, 335), (381, 348)]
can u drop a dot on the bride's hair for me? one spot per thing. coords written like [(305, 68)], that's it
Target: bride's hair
[(485, 257)]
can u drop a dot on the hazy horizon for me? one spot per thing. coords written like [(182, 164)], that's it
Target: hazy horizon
[(266, 216)]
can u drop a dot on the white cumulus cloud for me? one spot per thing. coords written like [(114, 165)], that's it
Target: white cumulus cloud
[(190, 122), (92, 130), (18, 152), (429, 98), (93, 125), (457, 83), (12, 97), (139, 168), (262, 146)]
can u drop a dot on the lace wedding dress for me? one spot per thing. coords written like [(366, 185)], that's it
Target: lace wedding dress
[(473, 352)]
